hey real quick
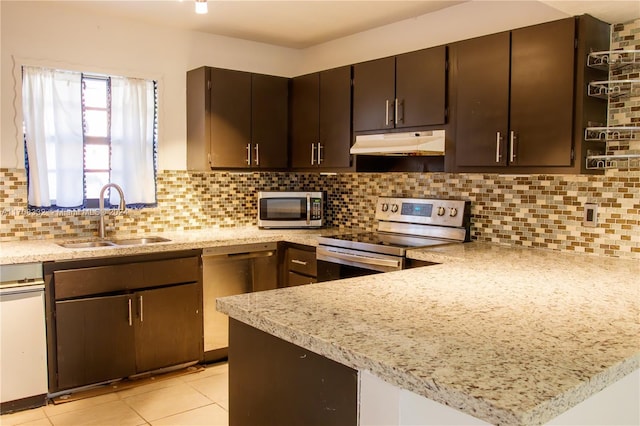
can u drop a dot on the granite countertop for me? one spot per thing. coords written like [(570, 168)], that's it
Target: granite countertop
[(508, 335), (47, 250)]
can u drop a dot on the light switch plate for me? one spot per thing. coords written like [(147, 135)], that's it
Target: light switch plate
[(590, 215)]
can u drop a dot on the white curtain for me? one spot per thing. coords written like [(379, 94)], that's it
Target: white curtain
[(132, 139), (52, 108)]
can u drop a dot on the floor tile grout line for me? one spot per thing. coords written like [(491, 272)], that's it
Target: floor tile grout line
[(149, 421), (183, 412)]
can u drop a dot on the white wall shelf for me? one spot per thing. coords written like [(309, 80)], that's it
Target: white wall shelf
[(613, 59), (608, 158)]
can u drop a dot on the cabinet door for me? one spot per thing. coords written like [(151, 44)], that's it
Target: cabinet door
[(420, 87), (230, 117), (480, 84), (305, 116), (542, 88), (269, 125), (296, 279), (95, 340), (373, 94), (335, 117), (168, 327), (198, 119)]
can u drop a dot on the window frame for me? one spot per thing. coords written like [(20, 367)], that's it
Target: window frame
[(95, 140)]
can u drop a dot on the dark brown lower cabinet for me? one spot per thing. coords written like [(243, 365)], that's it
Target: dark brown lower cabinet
[(111, 318), (165, 333), (95, 340), (300, 265), (273, 382)]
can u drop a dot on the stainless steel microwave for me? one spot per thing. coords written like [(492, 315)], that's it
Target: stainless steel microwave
[(297, 209)]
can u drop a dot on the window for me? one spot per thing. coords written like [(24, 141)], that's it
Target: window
[(84, 131), (97, 138)]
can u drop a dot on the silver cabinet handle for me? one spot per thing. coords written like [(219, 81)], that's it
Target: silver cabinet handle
[(396, 111), (512, 154), (130, 317), (299, 262), (248, 154), (308, 209), (209, 159), (141, 309), (257, 154), (319, 153), (313, 153), (498, 139), (386, 113)]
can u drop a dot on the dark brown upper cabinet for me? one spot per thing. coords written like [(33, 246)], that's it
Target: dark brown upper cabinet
[(404, 91), (517, 96), (236, 119), (321, 119)]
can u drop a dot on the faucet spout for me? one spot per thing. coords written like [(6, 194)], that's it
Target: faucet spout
[(121, 207)]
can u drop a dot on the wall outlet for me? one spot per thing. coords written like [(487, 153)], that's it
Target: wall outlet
[(590, 215)]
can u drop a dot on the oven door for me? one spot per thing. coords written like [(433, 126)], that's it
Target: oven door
[(335, 263)]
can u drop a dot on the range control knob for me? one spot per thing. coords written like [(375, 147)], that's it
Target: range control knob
[(440, 211), (453, 211), (385, 207), (394, 208)]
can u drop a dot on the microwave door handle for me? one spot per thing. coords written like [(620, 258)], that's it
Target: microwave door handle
[(308, 209)]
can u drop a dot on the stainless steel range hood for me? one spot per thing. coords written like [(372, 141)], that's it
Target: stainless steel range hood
[(429, 142)]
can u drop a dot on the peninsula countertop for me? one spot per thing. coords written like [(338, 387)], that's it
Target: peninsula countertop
[(508, 335)]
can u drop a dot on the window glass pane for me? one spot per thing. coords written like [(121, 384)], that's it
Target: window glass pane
[(96, 123), (95, 182), (52, 185), (95, 93), (96, 157)]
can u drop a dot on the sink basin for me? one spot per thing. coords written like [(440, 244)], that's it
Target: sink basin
[(86, 244), (113, 243), (140, 241)]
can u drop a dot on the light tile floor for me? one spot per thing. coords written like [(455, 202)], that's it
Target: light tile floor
[(200, 398)]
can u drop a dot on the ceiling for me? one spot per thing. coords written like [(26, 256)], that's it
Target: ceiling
[(304, 23)]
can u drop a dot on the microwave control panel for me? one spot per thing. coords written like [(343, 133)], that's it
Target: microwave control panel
[(316, 208)]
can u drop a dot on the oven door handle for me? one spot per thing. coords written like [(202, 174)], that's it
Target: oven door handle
[(365, 260)]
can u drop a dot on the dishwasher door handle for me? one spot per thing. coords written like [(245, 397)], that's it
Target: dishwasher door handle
[(239, 256)]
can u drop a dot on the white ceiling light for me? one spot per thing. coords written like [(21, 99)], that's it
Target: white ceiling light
[(201, 7)]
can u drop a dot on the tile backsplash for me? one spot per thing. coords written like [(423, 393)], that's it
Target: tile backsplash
[(543, 211)]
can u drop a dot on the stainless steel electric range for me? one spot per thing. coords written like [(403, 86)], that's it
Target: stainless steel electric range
[(403, 223)]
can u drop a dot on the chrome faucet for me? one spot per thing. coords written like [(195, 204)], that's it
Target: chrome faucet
[(121, 207)]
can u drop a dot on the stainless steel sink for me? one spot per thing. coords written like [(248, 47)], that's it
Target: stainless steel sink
[(113, 243), (140, 241), (86, 244)]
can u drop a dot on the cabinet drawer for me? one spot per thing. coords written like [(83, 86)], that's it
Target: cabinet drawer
[(172, 271), (80, 282), (294, 279), (301, 261), (97, 280)]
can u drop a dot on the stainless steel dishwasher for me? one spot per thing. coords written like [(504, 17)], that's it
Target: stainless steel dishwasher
[(228, 271)]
